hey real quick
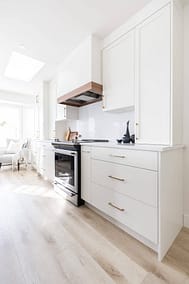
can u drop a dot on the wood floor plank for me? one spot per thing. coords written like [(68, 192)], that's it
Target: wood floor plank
[(46, 240)]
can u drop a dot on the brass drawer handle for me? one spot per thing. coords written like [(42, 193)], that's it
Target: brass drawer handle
[(112, 205), (116, 178), (116, 156)]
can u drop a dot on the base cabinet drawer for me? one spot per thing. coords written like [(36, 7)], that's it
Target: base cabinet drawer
[(135, 158), (136, 183), (135, 215)]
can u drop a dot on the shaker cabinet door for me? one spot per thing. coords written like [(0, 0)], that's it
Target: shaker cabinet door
[(118, 73), (153, 79)]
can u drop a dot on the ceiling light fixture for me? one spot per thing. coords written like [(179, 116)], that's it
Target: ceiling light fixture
[(22, 67)]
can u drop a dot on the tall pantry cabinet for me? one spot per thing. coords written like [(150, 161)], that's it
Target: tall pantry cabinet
[(155, 89)]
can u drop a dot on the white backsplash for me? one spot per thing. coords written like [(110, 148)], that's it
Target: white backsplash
[(95, 123)]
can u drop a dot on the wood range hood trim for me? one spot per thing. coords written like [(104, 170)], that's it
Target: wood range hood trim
[(90, 89)]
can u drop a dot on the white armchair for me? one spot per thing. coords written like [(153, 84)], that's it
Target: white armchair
[(12, 154)]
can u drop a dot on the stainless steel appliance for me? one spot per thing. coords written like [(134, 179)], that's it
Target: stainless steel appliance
[(68, 169)]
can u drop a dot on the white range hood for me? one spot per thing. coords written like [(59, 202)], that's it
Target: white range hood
[(79, 81)]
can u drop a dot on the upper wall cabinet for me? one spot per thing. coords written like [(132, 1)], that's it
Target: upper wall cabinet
[(118, 73), (52, 108), (153, 80), (159, 67), (143, 59)]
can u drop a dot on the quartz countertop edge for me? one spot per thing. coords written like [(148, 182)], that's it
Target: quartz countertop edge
[(144, 147)]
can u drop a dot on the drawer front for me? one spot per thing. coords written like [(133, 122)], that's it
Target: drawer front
[(135, 158), (135, 215), (137, 183)]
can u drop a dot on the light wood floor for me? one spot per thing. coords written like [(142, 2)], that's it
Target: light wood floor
[(46, 240)]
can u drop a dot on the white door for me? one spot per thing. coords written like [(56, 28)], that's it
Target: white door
[(118, 73), (153, 77)]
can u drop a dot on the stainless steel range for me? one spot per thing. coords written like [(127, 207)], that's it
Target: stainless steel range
[(67, 179)]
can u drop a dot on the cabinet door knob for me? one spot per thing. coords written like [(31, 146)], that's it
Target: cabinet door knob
[(114, 206)]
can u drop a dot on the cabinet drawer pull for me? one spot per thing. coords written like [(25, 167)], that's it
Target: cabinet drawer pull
[(83, 151), (117, 156), (112, 205), (116, 178)]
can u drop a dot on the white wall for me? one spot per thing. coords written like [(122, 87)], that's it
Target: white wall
[(186, 114), (95, 123), (16, 98)]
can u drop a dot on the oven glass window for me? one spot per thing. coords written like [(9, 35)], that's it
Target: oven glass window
[(64, 168)]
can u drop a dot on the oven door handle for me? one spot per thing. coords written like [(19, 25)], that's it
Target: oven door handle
[(66, 152), (67, 191)]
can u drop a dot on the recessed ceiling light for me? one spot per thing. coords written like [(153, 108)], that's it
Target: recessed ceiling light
[(22, 67)]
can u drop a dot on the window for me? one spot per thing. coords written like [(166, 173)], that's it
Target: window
[(16, 122)]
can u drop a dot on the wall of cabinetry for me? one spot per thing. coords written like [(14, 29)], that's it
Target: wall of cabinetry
[(143, 67), (133, 187)]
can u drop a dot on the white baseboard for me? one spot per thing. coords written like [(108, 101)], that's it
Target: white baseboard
[(186, 220)]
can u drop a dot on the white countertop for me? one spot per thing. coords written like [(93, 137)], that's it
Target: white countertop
[(144, 147)]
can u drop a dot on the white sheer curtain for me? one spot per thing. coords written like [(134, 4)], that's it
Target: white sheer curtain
[(16, 122), (9, 123)]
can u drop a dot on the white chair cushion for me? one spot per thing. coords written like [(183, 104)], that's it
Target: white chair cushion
[(6, 158), (13, 147)]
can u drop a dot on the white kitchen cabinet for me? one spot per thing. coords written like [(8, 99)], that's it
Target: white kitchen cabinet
[(137, 183), (159, 63), (60, 112), (52, 108), (133, 185), (86, 173), (135, 215), (118, 73), (153, 100), (49, 164), (156, 59), (42, 112), (66, 112), (43, 160)]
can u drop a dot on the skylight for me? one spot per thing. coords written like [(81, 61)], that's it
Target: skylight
[(22, 67)]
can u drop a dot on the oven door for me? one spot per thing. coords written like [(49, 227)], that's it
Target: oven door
[(66, 169)]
